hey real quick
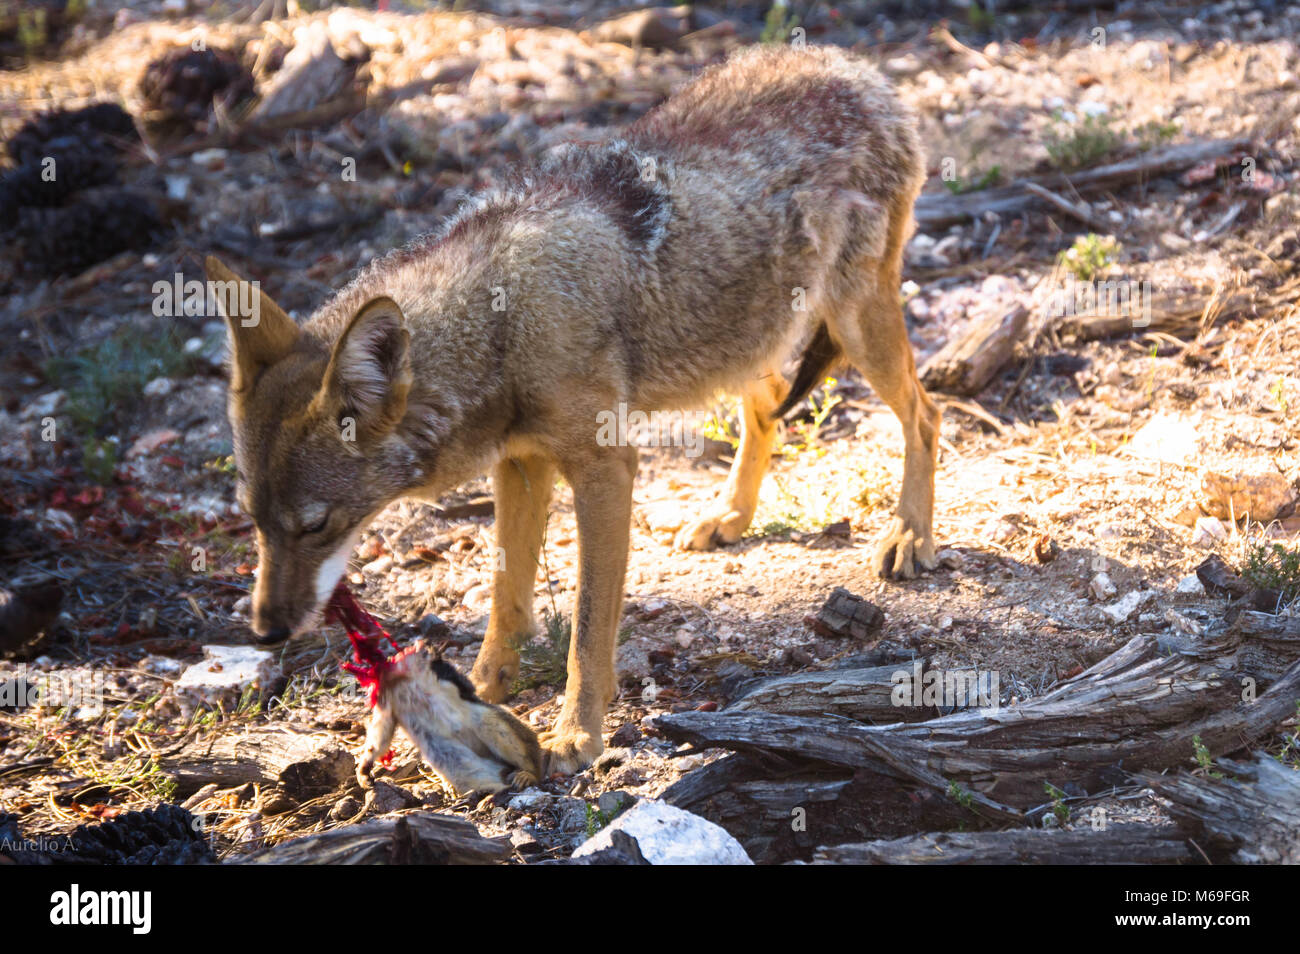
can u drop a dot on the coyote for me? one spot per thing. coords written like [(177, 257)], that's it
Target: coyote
[(757, 215)]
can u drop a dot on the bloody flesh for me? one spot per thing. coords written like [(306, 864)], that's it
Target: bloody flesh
[(370, 659)]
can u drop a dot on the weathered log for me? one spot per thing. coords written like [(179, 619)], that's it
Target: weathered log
[(966, 364), (418, 838), (862, 694), (1172, 312), (304, 764), (781, 810), (1251, 819), (1269, 644), (1135, 709), (1116, 845), (940, 210)]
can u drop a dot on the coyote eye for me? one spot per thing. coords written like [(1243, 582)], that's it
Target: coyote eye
[(318, 526)]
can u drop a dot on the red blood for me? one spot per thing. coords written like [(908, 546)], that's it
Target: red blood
[(371, 661)]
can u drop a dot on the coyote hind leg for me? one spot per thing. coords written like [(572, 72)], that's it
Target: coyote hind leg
[(728, 518), (877, 345)]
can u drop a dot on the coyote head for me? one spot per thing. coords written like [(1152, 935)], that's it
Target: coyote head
[(314, 414)]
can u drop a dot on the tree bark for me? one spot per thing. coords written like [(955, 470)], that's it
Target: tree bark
[(1117, 845)]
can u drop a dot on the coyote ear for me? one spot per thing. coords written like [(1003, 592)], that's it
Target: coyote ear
[(260, 332), (369, 374)]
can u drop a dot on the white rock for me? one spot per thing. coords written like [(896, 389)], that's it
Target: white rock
[(1102, 587), (224, 674), (478, 598), (1183, 624), (632, 659), (1208, 533), (1192, 584), (1125, 606), (670, 836), (59, 519), (159, 387), (44, 406), (378, 566), (664, 517), (1166, 438)]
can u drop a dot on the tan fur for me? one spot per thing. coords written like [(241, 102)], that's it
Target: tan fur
[(649, 270)]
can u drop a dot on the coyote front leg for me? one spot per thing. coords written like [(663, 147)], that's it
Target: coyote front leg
[(602, 497), (522, 490)]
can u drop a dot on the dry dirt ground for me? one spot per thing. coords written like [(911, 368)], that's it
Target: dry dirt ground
[(1079, 458)]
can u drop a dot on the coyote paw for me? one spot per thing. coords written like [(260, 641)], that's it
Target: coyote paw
[(713, 531), (364, 768), (493, 675), (902, 551), (565, 752), (522, 779)]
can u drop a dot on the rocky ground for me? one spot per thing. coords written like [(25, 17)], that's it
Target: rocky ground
[(1076, 491)]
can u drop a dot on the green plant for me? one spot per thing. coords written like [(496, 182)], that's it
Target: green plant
[(1059, 808), (977, 181), (99, 459), (33, 30), (779, 23), (1289, 754), (108, 377), (1081, 143), (793, 513), (1273, 567), (979, 18), (1204, 760), (822, 402), (544, 659), (1078, 143), (1090, 255), (1153, 134), (596, 819), (720, 424), (1279, 394), (877, 489), (960, 795)]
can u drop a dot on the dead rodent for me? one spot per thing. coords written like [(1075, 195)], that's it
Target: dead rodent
[(476, 747)]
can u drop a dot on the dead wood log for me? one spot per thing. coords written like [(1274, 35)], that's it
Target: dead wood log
[(1176, 312), (782, 809), (418, 838), (862, 694), (1251, 819), (1136, 709), (966, 364), (1269, 643), (1117, 845), (936, 211), (304, 764)]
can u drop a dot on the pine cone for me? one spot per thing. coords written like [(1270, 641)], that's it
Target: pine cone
[(183, 84), (100, 224), (95, 127)]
